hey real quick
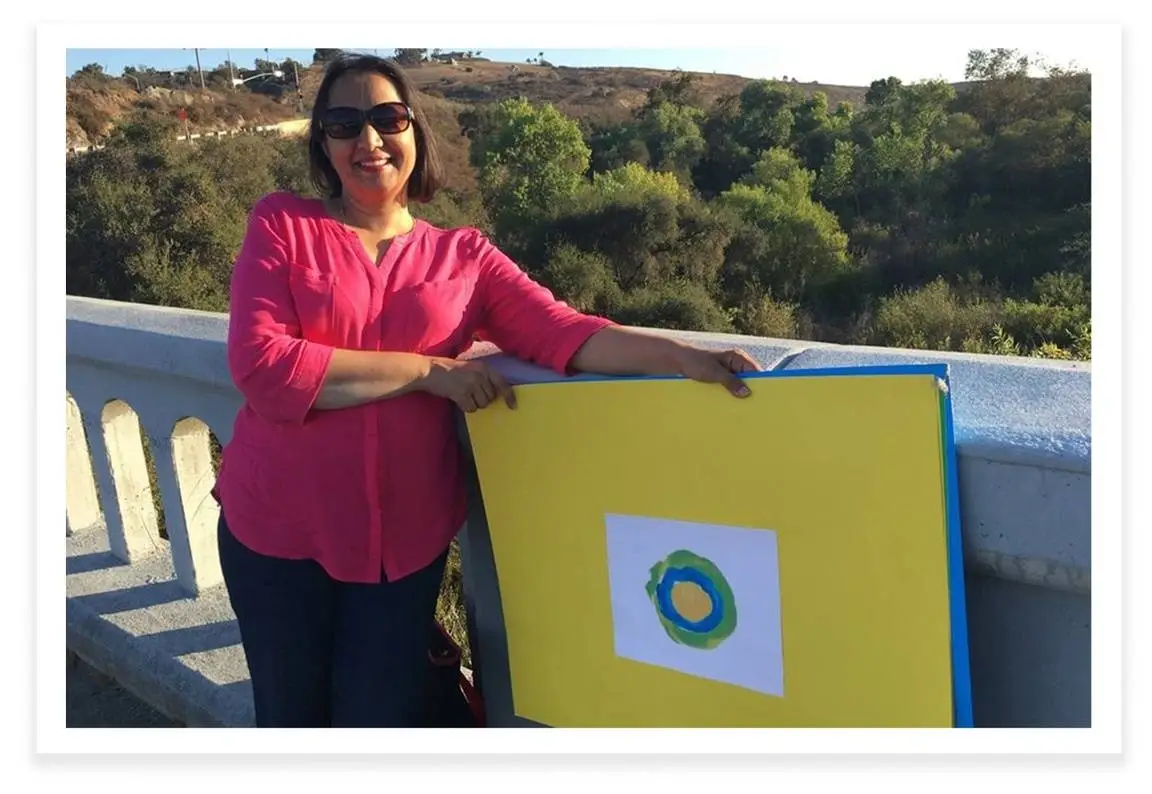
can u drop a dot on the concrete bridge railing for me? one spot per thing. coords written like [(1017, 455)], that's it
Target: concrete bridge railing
[(149, 387)]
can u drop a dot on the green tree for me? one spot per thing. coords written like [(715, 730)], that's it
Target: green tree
[(410, 56), (673, 138), (90, 70), (816, 132), (532, 159), (614, 145), (634, 180), (683, 88), (645, 228), (835, 186), (787, 244), (584, 279)]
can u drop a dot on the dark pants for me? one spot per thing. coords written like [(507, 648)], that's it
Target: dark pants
[(326, 653)]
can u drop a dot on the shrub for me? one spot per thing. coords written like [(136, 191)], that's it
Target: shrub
[(933, 317), (583, 279), (679, 306), (764, 316)]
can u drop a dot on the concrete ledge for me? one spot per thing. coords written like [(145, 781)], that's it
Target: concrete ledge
[(175, 343), (179, 654)]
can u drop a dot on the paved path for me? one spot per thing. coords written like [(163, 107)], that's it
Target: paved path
[(96, 701)]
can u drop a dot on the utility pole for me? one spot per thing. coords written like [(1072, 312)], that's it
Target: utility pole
[(198, 69), (299, 92), (231, 75)]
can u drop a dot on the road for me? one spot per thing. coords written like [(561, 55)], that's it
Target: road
[(286, 128)]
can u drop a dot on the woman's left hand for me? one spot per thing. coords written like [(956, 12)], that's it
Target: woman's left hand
[(717, 366)]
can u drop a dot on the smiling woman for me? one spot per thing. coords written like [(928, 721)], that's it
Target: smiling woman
[(347, 320), (370, 145)]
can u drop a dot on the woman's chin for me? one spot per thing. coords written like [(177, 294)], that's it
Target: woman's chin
[(378, 187)]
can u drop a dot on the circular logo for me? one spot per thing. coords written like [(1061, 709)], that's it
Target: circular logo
[(693, 600)]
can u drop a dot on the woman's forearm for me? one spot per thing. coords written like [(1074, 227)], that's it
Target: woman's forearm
[(617, 350), (355, 377)]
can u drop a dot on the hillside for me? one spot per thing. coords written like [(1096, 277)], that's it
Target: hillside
[(95, 104), (595, 94)]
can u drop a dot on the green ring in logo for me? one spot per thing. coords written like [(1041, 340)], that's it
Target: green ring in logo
[(693, 600)]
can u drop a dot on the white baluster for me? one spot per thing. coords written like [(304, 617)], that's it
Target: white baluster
[(133, 530), (82, 500), (185, 476)]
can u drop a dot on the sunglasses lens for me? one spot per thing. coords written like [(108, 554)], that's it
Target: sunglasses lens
[(342, 123), (389, 119)]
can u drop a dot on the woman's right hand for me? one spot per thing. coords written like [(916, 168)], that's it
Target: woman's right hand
[(472, 385)]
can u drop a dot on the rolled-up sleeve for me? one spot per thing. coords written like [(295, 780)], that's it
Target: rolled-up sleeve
[(523, 318), (277, 371)]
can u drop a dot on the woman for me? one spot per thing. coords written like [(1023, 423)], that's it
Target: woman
[(340, 488)]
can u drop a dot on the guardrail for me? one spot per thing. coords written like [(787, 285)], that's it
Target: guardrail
[(293, 127), (149, 383)]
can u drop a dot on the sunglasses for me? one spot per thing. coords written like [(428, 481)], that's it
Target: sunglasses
[(389, 118)]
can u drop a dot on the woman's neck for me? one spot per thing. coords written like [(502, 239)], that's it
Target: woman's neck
[(388, 220)]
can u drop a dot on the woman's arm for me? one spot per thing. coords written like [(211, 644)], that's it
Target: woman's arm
[(358, 376), (619, 350), (626, 351), (355, 377)]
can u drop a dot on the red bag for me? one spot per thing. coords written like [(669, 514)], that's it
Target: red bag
[(453, 699)]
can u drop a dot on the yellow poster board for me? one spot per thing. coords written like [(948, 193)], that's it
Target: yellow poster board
[(669, 555)]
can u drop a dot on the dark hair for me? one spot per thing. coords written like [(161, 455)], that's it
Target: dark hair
[(428, 173)]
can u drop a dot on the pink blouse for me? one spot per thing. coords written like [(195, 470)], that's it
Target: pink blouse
[(376, 487)]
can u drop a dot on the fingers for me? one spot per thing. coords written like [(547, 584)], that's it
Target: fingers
[(731, 364), (486, 385), (467, 403), (735, 385), (484, 389), (739, 361), (503, 388)]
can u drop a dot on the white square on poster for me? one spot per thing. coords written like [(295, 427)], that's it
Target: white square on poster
[(720, 588)]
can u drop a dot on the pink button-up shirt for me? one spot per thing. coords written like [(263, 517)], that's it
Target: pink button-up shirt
[(375, 487)]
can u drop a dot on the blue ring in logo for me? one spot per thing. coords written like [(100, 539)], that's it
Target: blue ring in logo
[(664, 598)]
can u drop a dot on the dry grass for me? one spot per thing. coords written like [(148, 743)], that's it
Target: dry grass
[(450, 608), (600, 94)]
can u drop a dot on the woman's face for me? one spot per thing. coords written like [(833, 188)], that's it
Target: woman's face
[(373, 168)]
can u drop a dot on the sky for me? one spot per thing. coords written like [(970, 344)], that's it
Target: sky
[(832, 65)]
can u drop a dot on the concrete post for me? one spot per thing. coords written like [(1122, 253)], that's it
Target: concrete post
[(82, 500), (133, 529), (185, 476)]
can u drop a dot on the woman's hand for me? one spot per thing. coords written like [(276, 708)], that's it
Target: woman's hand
[(472, 385), (716, 366), (618, 350)]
